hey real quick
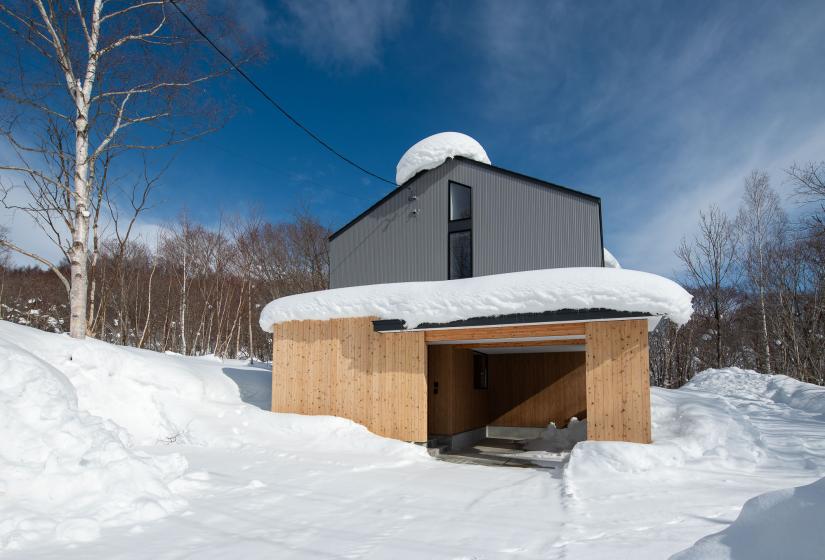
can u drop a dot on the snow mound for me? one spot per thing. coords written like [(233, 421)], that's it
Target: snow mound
[(781, 389), (557, 440), (65, 473), (610, 261), (172, 399), (487, 296), (781, 524), (689, 428), (434, 150)]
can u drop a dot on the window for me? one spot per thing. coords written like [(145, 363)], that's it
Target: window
[(480, 376), (460, 232), (461, 202), (461, 254)]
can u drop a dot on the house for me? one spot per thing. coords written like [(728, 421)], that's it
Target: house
[(472, 300)]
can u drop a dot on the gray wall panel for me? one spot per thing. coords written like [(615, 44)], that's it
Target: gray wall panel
[(517, 225)]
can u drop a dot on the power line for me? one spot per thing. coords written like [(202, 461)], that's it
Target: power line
[(274, 103)]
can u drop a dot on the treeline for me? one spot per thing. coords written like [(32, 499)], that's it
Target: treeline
[(195, 290), (758, 281)]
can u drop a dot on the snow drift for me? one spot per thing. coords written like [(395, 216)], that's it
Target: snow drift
[(63, 471), (484, 296), (781, 524), (167, 398), (434, 150), (713, 422), (73, 411)]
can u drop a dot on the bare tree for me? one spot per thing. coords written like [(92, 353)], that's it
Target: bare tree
[(761, 223), (809, 182), (96, 79), (710, 260)]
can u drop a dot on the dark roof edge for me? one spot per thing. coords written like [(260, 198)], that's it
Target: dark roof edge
[(560, 316), (518, 175), (418, 175)]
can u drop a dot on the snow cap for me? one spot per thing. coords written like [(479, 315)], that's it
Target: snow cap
[(434, 150), (609, 260), (532, 291)]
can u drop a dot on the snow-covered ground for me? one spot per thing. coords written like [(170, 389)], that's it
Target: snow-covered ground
[(111, 452)]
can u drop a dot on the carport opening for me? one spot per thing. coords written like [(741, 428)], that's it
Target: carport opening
[(503, 389)]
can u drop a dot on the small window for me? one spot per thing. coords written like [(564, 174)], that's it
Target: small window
[(480, 375), (461, 254), (461, 202)]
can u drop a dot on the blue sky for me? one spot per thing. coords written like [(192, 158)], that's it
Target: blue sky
[(660, 108)]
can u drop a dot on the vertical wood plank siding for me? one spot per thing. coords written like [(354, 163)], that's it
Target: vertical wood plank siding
[(517, 225), (536, 389), (343, 368), (618, 383)]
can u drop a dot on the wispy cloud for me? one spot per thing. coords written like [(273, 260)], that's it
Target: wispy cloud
[(341, 33), (660, 110)]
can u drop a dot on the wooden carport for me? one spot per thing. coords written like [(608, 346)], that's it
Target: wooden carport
[(379, 374)]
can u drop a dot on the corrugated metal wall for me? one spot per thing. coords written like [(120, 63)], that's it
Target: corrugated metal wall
[(517, 225)]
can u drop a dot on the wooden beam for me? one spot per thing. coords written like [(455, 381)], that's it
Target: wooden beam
[(523, 343), (506, 331)]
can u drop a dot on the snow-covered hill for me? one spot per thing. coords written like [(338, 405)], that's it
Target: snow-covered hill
[(123, 453)]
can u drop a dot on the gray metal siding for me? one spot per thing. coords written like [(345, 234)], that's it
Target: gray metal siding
[(517, 225)]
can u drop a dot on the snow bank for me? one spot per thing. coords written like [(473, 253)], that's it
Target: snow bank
[(690, 427), (485, 296), (167, 398), (559, 439), (610, 261), (781, 524), (434, 150), (781, 389), (65, 473)]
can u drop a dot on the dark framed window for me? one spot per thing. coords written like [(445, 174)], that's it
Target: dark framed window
[(481, 375), (460, 232), (461, 202), (461, 254)]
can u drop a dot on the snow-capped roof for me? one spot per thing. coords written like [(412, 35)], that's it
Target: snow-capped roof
[(434, 150), (532, 291)]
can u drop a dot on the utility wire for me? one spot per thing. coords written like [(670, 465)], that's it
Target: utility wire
[(274, 103)]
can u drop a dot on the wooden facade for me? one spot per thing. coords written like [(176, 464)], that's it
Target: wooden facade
[(387, 381), (341, 367), (618, 382)]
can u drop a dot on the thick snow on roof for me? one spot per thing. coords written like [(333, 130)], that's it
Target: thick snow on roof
[(487, 296), (434, 150), (610, 261)]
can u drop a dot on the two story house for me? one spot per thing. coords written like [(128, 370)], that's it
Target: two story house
[(472, 300)]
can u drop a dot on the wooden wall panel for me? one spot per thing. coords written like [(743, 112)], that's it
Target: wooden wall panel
[(532, 390), (440, 405), (343, 368), (470, 405), (618, 383), (457, 407)]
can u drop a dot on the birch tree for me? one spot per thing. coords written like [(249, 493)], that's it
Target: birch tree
[(761, 223), (96, 79)]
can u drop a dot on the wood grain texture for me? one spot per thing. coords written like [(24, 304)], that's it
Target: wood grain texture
[(511, 331), (536, 389), (522, 344), (342, 367), (457, 407), (617, 381)]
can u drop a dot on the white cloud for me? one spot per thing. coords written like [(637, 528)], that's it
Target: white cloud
[(341, 32), (659, 111)]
